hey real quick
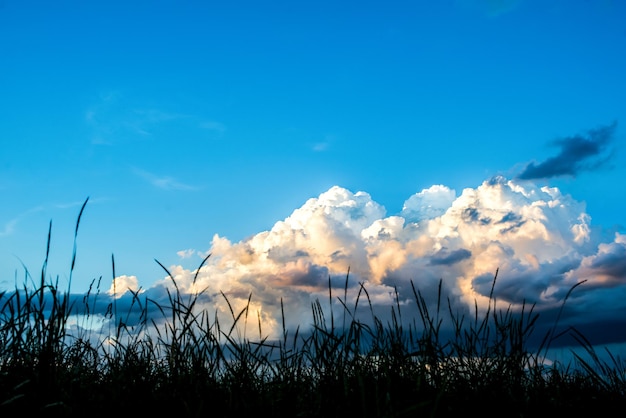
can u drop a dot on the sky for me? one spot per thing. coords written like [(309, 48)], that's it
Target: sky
[(391, 142)]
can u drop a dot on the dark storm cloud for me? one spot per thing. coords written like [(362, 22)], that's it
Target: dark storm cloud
[(128, 309), (612, 264), (605, 331), (518, 283), (313, 276), (577, 153), (447, 258), (607, 268)]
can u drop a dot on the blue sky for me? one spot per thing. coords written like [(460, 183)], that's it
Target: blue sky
[(197, 127)]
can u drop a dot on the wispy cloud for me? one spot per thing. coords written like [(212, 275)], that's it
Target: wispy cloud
[(186, 253), (145, 121), (100, 117), (113, 119), (164, 182), (213, 126), (324, 143), (577, 153), (320, 146), (9, 226), (76, 203)]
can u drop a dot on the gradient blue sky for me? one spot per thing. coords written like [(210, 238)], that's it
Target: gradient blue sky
[(184, 119)]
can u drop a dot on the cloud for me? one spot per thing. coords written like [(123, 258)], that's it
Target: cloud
[(428, 203), (606, 267), (445, 257), (214, 126), (123, 284), (320, 146), (9, 226), (578, 153), (115, 119), (186, 253), (538, 240), (324, 144), (163, 182)]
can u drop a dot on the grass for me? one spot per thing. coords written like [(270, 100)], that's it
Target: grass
[(353, 364)]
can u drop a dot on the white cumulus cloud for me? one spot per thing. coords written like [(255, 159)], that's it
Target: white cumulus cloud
[(538, 238), (123, 284)]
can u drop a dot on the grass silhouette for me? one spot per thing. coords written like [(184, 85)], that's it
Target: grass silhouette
[(186, 362)]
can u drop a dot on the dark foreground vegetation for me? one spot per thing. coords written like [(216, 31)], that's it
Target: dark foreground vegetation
[(344, 366)]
